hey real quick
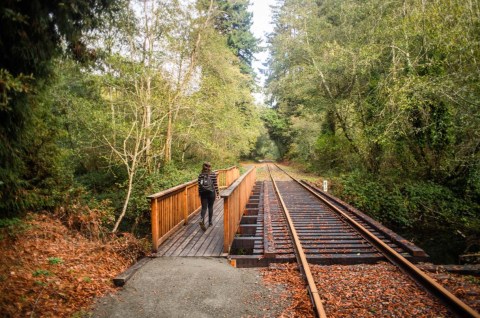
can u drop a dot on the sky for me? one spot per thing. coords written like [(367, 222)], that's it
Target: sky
[(262, 17)]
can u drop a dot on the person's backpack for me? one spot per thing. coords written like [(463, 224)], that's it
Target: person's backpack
[(206, 183)]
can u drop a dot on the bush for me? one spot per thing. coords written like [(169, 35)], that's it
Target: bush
[(332, 154), (436, 218), (383, 202), (12, 227)]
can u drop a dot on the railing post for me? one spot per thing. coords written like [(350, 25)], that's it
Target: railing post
[(185, 205), (154, 210), (226, 231)]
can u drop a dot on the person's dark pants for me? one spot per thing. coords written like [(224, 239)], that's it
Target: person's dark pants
[(208, 198)]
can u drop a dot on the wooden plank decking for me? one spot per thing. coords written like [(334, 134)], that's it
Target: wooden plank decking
[(191, 240)]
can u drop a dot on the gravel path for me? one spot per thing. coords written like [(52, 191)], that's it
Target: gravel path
[(192, 287)]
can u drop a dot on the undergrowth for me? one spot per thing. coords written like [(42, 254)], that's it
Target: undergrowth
[(431, 215)]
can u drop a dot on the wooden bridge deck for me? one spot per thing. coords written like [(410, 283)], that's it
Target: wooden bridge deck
[(191, 240)]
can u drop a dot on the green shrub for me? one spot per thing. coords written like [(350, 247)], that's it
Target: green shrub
[(439, 220), (12, 227), (383, 202)]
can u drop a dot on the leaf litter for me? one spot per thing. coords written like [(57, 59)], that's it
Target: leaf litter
[(365, 290), (50, 270)]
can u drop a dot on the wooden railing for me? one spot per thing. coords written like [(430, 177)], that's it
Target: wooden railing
[(235, 200), (225, 177), (171, 209)]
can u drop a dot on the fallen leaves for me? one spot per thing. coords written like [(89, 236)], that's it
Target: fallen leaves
[(295, 289), (465, 287), (51, 271), (379, 290)]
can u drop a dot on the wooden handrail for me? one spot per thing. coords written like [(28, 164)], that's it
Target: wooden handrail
[(171, 208), (168, 191), (235, 200), (225, 177)]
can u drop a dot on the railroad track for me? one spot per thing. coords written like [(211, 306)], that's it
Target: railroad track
[(326, 237), (323, 229)]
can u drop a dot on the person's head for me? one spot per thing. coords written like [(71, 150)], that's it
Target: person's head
[(207, 167)]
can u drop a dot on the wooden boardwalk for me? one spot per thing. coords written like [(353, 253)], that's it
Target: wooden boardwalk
[(191, 240)]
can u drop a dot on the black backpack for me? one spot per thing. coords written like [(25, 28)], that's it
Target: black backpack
[(206, 183)]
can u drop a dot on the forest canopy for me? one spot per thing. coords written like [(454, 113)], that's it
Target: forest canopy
[(385, 96), (105, 102)]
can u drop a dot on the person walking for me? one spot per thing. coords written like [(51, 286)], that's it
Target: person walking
[(208, 191)]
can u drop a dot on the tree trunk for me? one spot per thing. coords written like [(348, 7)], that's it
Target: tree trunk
[(168, 139), (127, 200), (148, 122)]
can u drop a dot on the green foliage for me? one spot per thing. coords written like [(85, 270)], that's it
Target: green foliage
[(112, 152), (96, 136), (265, 148), (383, 202), (12, 227), (10, 223), (55, 260), (234, 21), (41, 272), (332, 154), (149, 183), (33, 33), (12, 85), (378, 77), (87, 279), (423, 211), (387, 95), (278, 129), (41, 171)]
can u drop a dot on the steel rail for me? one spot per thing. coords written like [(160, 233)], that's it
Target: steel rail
[(301, 258), (453, 303)]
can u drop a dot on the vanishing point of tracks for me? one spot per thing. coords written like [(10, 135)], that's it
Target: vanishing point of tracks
[(319, 225)]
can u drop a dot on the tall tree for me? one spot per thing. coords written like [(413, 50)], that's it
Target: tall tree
[(149, 77), (33, 32), (234, 21), (377, 73)]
